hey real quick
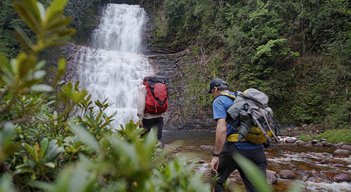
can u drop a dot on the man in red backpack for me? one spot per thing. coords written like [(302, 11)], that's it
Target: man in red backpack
[(155, 104)]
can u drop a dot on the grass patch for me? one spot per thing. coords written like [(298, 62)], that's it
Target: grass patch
[(305, 137), (332, 136)]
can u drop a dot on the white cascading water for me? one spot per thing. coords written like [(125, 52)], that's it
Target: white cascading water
[(113, 67)]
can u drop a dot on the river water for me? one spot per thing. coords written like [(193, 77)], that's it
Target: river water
[(314, 166)]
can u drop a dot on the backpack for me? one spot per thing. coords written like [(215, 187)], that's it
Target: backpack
[(255, 118), (156, 101)]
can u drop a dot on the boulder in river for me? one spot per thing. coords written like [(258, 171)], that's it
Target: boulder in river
[(342, 177), (346, 147), (326, 144), (300, 142), (287, 174), (271, 177), (341, 153), (290, 139)]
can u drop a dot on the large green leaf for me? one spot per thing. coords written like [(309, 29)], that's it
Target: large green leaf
[(3, 59), (57, 24), (27, 16), (32, 7), (23, 39), (86, 137), (56, 6), (53, 150), (6, 183), (41, 88)]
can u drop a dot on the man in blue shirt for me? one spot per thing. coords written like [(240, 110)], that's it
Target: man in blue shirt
[(226, 143)]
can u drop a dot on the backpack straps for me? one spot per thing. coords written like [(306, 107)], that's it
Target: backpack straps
[(228, 95)]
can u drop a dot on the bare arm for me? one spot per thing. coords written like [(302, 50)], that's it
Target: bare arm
[(221, 131), (141, 100)]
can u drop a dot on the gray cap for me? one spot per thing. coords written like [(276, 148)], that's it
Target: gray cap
[(219, 83)]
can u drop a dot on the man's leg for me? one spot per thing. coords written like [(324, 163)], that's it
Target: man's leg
[(225, 168), (159, 125), (147, 125), (258, 157)]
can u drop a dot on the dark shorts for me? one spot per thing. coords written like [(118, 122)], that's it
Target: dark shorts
[(227, 165), (154, 123)]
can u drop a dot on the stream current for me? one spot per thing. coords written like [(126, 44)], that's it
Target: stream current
[(315, 166)]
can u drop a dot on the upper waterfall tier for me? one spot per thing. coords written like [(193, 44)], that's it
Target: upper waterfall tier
[(120, 29)]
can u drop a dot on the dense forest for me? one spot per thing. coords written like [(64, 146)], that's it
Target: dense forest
[(296, 51)]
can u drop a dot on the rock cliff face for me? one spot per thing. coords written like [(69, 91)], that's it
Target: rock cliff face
[(171, 62), (183, 112), (174, 62)]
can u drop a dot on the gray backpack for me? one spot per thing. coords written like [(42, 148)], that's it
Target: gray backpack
[(255, 118)]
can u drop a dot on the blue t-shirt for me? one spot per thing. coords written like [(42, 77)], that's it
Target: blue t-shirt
[(220, 106)]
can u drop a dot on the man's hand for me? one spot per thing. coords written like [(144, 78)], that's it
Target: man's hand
[(214, 164)]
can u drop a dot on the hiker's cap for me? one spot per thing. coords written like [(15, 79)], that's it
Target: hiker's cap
[(219, 83)]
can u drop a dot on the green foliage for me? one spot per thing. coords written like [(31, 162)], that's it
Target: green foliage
[(124, 164), (55, 138), (306, 137), (38, 159), (297, 52), (333, 136), (7, 145), (8, 43), (6, 183)]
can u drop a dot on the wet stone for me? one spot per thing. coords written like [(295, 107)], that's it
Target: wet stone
[(319, 145), (290, 139), (287, 174), (314, 142), (326, 144), (207, 147), (299, 142), (339, 145), (342, 153), (346, 147), (342, 177), (271, 177), (308, 145), (315, 179)]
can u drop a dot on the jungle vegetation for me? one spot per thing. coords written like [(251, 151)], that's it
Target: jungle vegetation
[(52, 138), (298, 52)]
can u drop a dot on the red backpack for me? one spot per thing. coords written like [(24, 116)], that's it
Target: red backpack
[(156, 101)]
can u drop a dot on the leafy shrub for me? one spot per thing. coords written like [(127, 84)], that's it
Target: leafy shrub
[(55, 138)]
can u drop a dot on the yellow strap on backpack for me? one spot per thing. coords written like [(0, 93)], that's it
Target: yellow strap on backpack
[(233, 138), (228, 95)]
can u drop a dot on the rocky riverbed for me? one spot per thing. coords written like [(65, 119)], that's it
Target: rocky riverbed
[(317, 165)]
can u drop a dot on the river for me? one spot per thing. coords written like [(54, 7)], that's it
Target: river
[(314, 166)]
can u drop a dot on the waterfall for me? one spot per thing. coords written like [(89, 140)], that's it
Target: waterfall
[(113, 66)]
